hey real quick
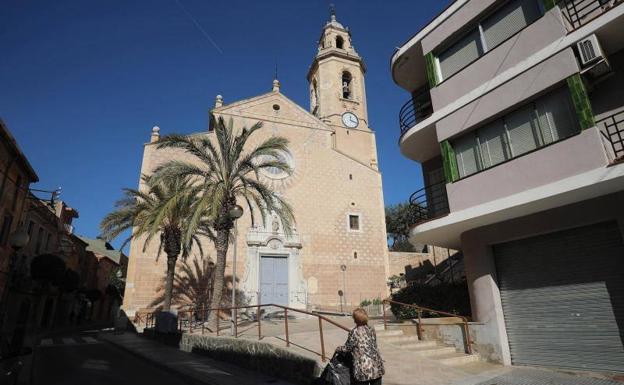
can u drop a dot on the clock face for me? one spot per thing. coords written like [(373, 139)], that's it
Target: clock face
[(350, 120)]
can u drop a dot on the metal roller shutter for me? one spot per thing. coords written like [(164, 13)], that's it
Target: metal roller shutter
[(563, 298)]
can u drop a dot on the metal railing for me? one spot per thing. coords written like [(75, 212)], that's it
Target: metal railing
[(580, 12), (412, 112), (429, 202), (613, 132), (193, 319), (419, 311)]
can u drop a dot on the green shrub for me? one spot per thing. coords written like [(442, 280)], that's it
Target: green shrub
[(447, 297), (255, 355), (365, 303)]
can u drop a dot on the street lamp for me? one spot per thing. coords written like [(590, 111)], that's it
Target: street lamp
[(234, 213), (344, 286)]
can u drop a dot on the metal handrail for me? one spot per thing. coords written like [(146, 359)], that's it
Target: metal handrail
[(420, 310), (429, 202), (577, 11), (410, 114), (185, 315)]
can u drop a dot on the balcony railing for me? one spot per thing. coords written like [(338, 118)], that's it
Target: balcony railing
[(413, 111), (429, 202), (580, 12), (612, 129)]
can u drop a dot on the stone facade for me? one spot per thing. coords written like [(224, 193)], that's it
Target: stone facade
[(335, 177)]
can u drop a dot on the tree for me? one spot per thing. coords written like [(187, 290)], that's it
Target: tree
[(399, 220), (227, 175), (193, 286), (161, 209)]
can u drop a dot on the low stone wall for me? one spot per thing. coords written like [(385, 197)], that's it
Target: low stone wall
[(254, 355)]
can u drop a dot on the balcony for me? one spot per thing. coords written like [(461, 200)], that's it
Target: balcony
[(577, 13), (415, 110), (430, 202), (612, 130)]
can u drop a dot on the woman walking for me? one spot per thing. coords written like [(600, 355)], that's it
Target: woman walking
[(362, 344)]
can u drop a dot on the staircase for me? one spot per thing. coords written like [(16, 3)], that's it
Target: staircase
[(446, 355)]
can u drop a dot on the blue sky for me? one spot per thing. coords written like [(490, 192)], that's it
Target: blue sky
[(83, 81)]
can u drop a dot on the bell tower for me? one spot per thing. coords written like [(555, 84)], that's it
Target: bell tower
[(338, 93), (336, 77)]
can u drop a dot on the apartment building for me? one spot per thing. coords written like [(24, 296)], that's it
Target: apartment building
[(516, 116)]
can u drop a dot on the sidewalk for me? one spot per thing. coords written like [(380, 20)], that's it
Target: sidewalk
[(193, 367)]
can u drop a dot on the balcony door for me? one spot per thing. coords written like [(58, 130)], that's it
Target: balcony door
[(436, 193)]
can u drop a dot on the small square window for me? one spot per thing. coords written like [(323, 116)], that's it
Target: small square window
[(354, 222)]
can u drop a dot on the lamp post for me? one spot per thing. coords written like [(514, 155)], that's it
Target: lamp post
[(344, 285), (234, 213)]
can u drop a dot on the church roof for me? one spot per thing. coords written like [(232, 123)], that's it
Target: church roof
[(262, 107)]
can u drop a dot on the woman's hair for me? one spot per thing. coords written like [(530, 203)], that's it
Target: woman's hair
[(360, 317)]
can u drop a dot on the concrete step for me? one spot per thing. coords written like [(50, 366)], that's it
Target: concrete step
[(434, 351), (457, 359), (389, 333), (419, 344), (400, 339)]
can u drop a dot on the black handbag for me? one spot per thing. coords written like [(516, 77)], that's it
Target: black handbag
[(337, 371)]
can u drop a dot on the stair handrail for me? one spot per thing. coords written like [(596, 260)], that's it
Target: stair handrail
[(419, 310), (204, 312)]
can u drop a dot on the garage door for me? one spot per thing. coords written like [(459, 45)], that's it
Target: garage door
[(563, 298)]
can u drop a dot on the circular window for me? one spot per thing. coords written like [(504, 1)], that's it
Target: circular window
[(276, 173), (276, 107)]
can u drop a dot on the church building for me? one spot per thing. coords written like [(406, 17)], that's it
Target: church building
[(338, 250)]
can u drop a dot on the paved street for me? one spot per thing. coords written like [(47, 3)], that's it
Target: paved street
[(83, 359)]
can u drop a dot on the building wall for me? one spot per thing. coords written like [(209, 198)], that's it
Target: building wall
[(325, 188), (479, 258), (567, 158), (515, 50), (411, 263), (13, 202), (546, 75)]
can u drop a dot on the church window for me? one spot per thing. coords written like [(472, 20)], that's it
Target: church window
[(346, 85), (276, 107), (355, 255), (350, 176), (354, 222), (339, 42)]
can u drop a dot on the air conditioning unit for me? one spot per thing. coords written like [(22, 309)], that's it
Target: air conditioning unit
[(593, 60), (589, 50)]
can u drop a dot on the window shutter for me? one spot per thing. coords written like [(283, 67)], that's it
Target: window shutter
[(509, 20), (493, 144), (556, 117), (522, 133), (460, 54), (466, 154)]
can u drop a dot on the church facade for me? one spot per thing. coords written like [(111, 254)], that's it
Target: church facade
[(338, 251)]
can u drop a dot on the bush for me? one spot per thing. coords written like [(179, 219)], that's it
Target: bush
[(447, 297), (255, 355), (365, 303)]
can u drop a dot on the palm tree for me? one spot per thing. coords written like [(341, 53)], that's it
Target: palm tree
[(228, 174), (161, 209)]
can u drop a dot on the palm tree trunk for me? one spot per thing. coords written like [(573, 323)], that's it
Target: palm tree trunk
[(171, 262), (221, 246)]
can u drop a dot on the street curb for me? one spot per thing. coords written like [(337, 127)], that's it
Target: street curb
[(191, 380)]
